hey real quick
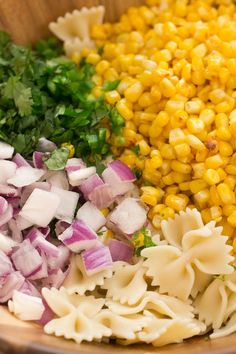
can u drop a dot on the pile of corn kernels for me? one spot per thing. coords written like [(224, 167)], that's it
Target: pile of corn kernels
[(176, 62)]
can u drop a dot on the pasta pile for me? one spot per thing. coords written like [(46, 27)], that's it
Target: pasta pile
[(184, 286)]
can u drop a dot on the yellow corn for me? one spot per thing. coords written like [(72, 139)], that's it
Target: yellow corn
[(225, 193), (211, 176), (176, 202)]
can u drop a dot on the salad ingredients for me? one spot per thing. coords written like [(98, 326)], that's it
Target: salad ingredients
[(32, 312), (96, 259), (48, 97)]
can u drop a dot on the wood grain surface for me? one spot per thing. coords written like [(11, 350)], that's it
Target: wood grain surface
[(18, 337), (27, 20)]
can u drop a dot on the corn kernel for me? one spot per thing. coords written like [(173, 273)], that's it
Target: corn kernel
[(182, 150), (225, 193), (124, 110), (232, 219), (133, 92), (167, 88), (102, 66), (229, 209), (211, 177), (176, 202), (167, 213), (112, 97), (180, 167), (195, 125), (214, 162), (197, 185)]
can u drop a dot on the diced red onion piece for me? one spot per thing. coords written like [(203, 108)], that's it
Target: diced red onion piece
[(40, 207), (55, 278), (4, 218), (29, 288), (25, 175), (60, 226), (5, 265), (74, 164), (26, 307), (8, 170), (91, 216), (102, 196), (61, 261), (129, 216), (47, 315), (6, 150), (13, 281), (42, 271), (122, 170), (8, 191), (58, 179), (96, 259), (118, 187), (45, 145), (77, 177), (14, 201), (38, 159), (120, 251), (3, 205), (37, 240), (22, 223), (78, 236), (89, 184), (26, 191), (68, 203), (16, 233), (26, 259), (20, 161), (6, 244), (45, 231)]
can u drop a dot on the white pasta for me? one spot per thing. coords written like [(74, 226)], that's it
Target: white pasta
[(127, 284), (203, 249), (75, 45), (78, 282), (77, 24)]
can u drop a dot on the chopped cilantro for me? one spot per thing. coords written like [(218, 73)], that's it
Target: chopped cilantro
[(57, 159), (44, 94), (110, 85), (142, 239), (138, 173), (136, 149)]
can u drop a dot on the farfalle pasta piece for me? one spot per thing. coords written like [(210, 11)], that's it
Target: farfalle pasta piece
[(218, 301), (78, 23), (78, 282), (229, 328), (75, 45), (160, 331), (173, 269), (174, 229), (124, 327), (163, 305), (127, 285), (75, 315)]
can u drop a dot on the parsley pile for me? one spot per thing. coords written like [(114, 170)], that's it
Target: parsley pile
[(44, 94)]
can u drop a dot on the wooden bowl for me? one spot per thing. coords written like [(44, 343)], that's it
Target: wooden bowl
[(27, 21)]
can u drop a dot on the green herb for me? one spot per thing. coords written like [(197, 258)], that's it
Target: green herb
[(110, 85), (142, 239), (57, 159), (136, 149), (234, 266), (44, 94), (220, 277), (138, 173)]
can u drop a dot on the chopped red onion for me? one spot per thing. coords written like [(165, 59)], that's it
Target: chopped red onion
[(89, 184), (47, 315), (26, 191), (3, 205), (58, 179), (6, 244), (96, 259), (122, 170), (8, 191), (13, 281), (60, 226), (91, 216), (55, 278), (120, 251), (42, 271), (16, 233), (68, 203), (6, 150), (8, 170), (25, 175), (5, 265), (61, 261), (33, 311), (45, 231), (78, 236), (74, 164), (129, 216), (40, 207), (22, 223), (102, 196), (20, 161), (4, 218), (30, 289), (38, 159), (118, 186), (77, 177), (37, 240), (46, 145), (26, 259), (14, 201)]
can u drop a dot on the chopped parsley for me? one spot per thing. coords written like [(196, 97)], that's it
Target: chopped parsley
[(142, 239), (44, 94)]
